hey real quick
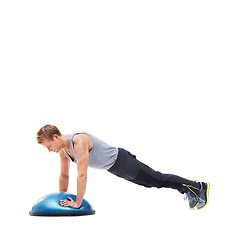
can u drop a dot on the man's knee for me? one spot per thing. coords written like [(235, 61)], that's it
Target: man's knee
[(147, 179)]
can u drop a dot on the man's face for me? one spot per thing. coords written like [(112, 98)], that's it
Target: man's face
[(52, 145)]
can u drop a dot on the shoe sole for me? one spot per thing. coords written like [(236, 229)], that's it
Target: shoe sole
[(207, 195), (194, 205)]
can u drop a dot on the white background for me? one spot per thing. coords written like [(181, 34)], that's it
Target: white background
[(159, 78)]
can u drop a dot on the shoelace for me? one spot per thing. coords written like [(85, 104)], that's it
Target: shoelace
[(191, 188), (188, 197)]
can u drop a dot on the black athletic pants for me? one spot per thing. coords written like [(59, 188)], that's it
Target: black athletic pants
[(129, 168)]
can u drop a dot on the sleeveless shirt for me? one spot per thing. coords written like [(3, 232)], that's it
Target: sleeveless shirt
[(101, 156)]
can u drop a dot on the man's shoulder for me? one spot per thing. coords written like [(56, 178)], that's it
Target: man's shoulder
[(83, 139), (80, 138), (62, 154)]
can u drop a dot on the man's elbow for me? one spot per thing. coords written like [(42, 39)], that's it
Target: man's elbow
[(82, 175), (63, 176)]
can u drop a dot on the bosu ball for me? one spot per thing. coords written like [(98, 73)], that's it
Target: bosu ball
[(49, 205)]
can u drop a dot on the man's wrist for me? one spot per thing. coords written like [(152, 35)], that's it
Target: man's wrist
[(78, 205)]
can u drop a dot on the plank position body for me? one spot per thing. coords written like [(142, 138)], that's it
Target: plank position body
[(88, 151)]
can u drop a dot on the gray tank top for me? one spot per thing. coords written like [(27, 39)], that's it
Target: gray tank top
[(101, 156)]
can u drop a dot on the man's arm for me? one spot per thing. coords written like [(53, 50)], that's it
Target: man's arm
[(82, 154), (64, 175)]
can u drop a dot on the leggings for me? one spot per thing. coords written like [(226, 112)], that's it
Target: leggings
[(129, 168)]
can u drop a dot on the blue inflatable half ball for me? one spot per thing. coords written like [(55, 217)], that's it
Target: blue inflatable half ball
[(49, 205)]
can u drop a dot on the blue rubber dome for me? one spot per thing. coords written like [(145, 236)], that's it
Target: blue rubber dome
[(49, 205)]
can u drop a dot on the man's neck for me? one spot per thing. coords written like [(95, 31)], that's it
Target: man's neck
[(65, 143)]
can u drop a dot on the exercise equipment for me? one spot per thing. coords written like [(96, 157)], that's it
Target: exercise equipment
[(49, 205)]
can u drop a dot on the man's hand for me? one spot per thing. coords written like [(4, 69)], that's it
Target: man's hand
[(71, 203)]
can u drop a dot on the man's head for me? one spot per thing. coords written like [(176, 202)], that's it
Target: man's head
[(50, 137)]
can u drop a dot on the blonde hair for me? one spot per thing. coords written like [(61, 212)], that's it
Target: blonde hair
[(47, 132)]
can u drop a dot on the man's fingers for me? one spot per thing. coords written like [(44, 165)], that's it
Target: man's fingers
[(64, 203)]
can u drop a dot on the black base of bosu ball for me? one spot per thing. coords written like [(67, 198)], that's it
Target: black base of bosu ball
[(49, 205)]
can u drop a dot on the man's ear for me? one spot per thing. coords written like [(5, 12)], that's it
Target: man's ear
[(56, 136)]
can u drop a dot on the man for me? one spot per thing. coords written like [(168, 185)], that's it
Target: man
[(86, 150)]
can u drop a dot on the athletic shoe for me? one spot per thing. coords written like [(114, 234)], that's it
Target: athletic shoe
[(191, 194), (203, 195), (192, 199)]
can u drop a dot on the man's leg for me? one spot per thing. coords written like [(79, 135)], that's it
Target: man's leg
[(129, 168)]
